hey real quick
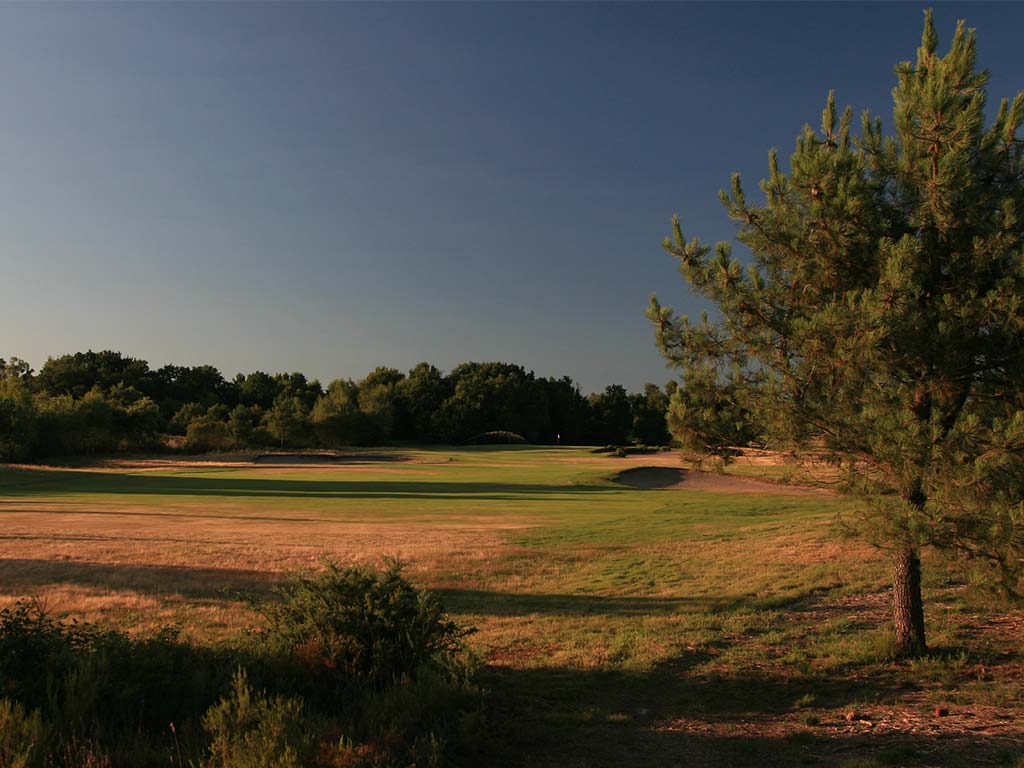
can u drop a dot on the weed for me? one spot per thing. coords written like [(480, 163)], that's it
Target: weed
[(21, 735), (249, 729)]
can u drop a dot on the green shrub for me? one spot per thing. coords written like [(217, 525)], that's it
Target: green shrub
[(357, 661), (21, 734), (91, 682), (363, 624), (249, 729), (437, 714)]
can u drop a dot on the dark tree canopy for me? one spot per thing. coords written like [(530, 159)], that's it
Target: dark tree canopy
[(879, 325), (94, 402)]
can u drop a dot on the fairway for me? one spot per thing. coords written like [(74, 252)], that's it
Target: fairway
[(714, 623)]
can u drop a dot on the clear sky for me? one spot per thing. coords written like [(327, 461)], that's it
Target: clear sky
[(328, 188)]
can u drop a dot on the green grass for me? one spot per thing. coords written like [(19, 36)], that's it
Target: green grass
[(620, 626)]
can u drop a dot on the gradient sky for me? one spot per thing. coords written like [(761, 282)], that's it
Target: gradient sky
[(328, 188)]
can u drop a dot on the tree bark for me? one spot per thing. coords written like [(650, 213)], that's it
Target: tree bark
[(907, 605)]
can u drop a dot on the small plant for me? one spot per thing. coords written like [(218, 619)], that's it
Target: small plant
[(248, 729), (804, 701), (21, 734)]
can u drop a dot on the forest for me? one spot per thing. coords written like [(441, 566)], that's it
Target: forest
[(103, 402)]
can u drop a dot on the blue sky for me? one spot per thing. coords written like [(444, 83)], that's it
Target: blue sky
[(331, 187)]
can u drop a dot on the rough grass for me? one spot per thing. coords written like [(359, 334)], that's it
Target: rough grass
[(620, 626)]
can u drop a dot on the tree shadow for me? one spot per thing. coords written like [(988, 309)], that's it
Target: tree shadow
[(25, 576), (524, 604), (57, 482), (678, 715), (684, 711)]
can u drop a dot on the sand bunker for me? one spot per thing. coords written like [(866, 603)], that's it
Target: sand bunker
[(325, 458), (679, 479)]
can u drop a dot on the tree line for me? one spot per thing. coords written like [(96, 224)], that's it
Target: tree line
[(98, 402)]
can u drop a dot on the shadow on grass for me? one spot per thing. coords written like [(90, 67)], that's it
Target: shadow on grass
[(675, 715), (20, 576), (29, 482), (511, 604), (686, 711), (24, 576)]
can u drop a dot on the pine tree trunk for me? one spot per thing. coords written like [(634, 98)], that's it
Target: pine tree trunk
[(907, 605)]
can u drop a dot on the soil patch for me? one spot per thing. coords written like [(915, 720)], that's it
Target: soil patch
[(679, 479)]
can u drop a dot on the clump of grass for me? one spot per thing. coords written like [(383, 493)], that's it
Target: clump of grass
[(804, 701)]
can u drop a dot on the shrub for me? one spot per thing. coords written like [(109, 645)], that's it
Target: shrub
[(364, 624), (248, 729), (359, 663), (91, 682), (21, 734), (438, 713)]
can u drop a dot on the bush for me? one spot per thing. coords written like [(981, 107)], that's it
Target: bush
[(248, 729), (21, 735), (362, 668), (366, 625), (90, 682)]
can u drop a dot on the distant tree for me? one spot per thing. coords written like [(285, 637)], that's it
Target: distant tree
[(87, 425), (81, 372), (489, 397), (420, 395), (183, 417), (335, 417), (242, 424), (380, 403), (137, 419), (175, 385), (286, 420), (610, 417), (15, 368), (567, 411), (297, 385), (881, 323), (257, 388), (649, 410), (19, 423), (208, 433)]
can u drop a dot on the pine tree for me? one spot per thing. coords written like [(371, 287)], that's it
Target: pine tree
[(880, 323)]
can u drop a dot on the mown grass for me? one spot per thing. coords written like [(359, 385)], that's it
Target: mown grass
[(620, 626)]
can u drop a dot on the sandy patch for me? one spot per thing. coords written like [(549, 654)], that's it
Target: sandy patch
[(679, 479), (303, 459)]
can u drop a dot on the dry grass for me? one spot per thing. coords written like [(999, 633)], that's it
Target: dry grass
[(722, 623)]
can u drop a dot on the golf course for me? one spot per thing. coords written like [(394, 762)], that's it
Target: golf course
[(627, 610)]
